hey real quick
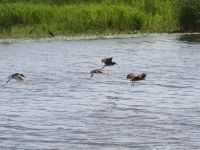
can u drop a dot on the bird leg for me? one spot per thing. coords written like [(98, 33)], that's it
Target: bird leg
[(132, 84)]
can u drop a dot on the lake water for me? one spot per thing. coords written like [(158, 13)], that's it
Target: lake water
[(63, 108)]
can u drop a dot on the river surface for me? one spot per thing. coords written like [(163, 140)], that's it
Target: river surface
[(63, 108)]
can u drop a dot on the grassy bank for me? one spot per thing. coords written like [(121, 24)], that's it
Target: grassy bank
[(32, 18)]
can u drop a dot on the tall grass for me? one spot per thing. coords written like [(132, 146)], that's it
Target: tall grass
[(86, 16), (189, 15)]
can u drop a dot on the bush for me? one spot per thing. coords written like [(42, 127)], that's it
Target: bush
[(190, 15)]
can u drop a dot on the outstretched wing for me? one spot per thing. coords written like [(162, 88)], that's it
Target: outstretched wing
[(106, 73), (22, 80), (22, 75), (103, 67), (103, 60), (107, 60), (6, 82), (130, 76)]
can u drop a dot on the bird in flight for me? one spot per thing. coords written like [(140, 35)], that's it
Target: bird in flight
[(108, 62), (99, 71), (18, 77), (136, 77)]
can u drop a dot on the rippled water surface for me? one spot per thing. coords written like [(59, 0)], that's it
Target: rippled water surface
[(63, 108)]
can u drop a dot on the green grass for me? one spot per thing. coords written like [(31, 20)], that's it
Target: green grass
[(190, 15), (32, 18)]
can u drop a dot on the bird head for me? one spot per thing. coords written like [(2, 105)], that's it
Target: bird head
[(114, 63), (128, 76), (143, 76)]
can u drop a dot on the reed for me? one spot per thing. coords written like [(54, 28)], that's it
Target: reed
[(32, 18), (189, 18)]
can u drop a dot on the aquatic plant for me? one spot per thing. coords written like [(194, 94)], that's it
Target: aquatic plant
[(67, 17)]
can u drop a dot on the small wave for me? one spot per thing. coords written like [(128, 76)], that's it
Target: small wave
[(175, 86)]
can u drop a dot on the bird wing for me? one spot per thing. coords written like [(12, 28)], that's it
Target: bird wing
[(103, 60), (22, 75), (107, 60), (22, 80), (19, 78), (103, 67), (106, 73), (6, 82), (13, 75), (132, 76), (92, 75)]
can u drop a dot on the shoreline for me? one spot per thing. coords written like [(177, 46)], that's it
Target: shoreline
[(90, 37), (34, 20)]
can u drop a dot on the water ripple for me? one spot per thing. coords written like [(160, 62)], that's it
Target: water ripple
[(63, 108)]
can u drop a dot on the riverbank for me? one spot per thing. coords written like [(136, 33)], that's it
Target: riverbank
[(30, 20), (195, 36), (35, 19)]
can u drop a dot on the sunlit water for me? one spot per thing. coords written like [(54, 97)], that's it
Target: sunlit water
[(63, 108)]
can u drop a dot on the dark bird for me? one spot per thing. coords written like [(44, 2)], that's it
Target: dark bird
[(108, 62), (99, 71), (51, 33), (17, 76), (136, 77)]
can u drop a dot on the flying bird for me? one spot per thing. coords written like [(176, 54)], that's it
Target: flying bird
[(99, 71), (18, 77), (108, 62), (136, 77)]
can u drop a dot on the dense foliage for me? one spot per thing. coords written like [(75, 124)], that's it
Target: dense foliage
[(18, 17), (190, 15)]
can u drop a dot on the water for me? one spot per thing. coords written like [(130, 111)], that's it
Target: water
[(63, 108)]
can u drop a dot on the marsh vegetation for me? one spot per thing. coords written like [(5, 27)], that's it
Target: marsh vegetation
[(32, 18)]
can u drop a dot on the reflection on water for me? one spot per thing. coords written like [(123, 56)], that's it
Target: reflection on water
[(63, 108), (190, 38)]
